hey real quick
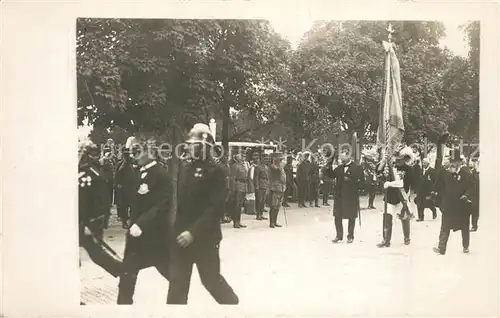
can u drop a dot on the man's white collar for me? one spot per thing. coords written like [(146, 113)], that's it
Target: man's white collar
[(149, 165)]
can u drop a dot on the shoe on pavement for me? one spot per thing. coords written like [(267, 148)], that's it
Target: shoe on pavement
[(407, 241), (271, 226), (420, 220), (263, 217), (336, 240), (473, 229), (437, 251), (277, 225), (466, 250), (242, 225), (236, 226), (349, 241), (383, 244)]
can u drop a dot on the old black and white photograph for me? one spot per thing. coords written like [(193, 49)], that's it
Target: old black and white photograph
[(317, 166)]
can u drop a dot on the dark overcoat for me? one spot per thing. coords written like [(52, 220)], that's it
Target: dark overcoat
[(149, 211), (451, 188), (201, 196), (348, 186), (425, 183)]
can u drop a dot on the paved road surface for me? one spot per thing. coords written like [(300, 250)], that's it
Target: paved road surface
[(296, 270)]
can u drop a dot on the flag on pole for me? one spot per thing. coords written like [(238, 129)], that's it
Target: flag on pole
[(391, 127)]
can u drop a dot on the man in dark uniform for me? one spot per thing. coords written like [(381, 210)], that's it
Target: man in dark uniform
[(197, 230), (261, 186), (474, 197), (239, 175), (349, 180), (400, 186), (303, 179), (107, 170), (92, 208), (314, 182), (147, 239), (277, 186), (424, 188), (326, 182), (456, 187), (126, 182), (289, 181), (371, 180)]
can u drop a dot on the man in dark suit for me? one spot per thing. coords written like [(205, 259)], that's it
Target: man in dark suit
[(303, 181), (349, 179), (197, 231), (474, 168), (371, 180), (289, 181), (455, 186), (426, 181), (147, 239), (277, 186), (314, 182)]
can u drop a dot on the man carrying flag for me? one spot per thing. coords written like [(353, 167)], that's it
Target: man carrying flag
[(396, 160)]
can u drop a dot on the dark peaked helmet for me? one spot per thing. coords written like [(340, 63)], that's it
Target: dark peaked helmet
[(200, 133)]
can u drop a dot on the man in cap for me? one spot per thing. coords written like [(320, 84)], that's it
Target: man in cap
[(239, 175), (92, 208), (400, 186), (456, 187), (424, 189), (197, 230), (314, 181), (147, 239), (277, 186), (261, 185), (349, 179)]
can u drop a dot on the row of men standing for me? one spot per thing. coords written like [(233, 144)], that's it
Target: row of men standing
[(254, 183)]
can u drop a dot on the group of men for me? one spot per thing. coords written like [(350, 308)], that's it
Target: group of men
[(254, 182), (454, 189), (170, 237)]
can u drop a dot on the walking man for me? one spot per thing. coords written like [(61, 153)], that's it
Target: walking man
[(349, 179), (126, 183), (456, 186), (147, 239), (197, 230)]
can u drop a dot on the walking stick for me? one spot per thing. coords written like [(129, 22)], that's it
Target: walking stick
[(284, 212)]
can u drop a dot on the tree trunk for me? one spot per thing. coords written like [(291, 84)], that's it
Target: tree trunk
[(439, 152), (226, 119)]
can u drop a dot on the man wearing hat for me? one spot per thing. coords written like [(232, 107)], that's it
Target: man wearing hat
[(147, 238), (456, 188), (126, 182), (196, 226), (424, 189), (314, 181), (400, 184), (371, 180), (350, 180), (277, 186), (261, 185)]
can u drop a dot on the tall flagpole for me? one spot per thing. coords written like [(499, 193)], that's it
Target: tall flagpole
[(386, 139)]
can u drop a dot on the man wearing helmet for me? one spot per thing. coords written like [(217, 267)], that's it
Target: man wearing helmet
[(196, 226), (93, 204)]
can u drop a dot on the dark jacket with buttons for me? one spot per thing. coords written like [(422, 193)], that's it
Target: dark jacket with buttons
[(201, 194)]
